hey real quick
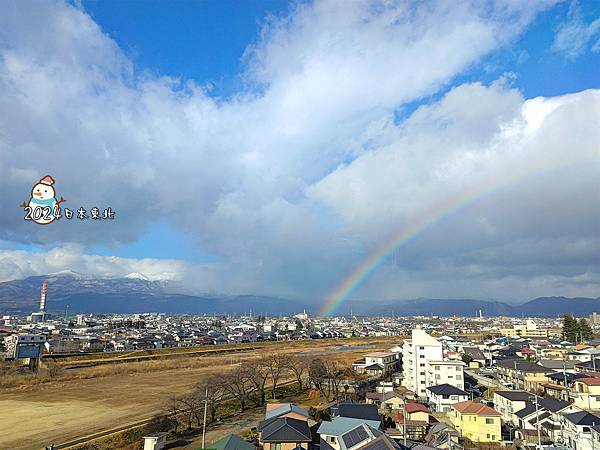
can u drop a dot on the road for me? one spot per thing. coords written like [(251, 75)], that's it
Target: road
[(484, 381)]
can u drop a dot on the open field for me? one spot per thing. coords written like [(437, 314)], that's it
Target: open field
[(94, 399)]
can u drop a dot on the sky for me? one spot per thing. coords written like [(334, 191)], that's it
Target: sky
[(322, 151)]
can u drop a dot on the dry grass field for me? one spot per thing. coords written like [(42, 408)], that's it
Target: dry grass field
[(88, 400)]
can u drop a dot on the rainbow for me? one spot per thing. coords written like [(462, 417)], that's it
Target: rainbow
[(432, 216)]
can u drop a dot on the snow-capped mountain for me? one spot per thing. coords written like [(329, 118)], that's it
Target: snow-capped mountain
[(131, 293)]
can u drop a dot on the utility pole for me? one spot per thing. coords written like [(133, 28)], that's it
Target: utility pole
[(537, 425), (404, 422), (204, 422)]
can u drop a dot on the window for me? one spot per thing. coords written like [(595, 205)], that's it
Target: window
[(421, 373), (488, 435), (421, 356), (421, 348), (422, 365), (493, 437), (331, 439), (276, 446), (489, 421), (437, 367)]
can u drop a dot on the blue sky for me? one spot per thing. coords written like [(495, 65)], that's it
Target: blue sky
[(270, 147)]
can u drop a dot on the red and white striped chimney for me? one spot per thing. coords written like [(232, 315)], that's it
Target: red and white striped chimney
[(43, 296)]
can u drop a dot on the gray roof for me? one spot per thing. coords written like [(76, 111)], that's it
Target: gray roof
[(383, 442), (522, 366), (284, 409), (558, 364), (446, 389), (474, 352), (529, 409), (553, 404), (340, 425), (582, 418), (285, 429), (515, 396)]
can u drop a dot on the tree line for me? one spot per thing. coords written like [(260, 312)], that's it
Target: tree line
[(249, 382), (576, 330)]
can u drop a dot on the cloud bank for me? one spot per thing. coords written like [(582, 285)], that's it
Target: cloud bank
[(294, 180)]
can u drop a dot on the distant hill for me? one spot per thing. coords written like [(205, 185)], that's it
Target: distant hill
[(135, 293), (539, 307)]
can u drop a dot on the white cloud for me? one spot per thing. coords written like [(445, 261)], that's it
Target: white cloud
[(574, 35), (293, 180)]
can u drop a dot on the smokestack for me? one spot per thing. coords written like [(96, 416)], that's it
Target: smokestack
[(43, 297)]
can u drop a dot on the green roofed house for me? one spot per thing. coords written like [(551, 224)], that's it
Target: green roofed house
[(231, 442)]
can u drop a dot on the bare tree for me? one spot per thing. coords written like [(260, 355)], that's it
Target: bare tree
[(335, 377), (317, 373), (299, 367), (276, 364), (258, 374), (212, 391), (237, 383), (326, 377), (189, 406)]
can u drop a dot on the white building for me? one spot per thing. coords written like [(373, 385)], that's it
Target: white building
[(416, 352), (443, 396), (445, 372)]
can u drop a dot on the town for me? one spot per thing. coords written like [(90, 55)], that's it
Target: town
[(405, 382)]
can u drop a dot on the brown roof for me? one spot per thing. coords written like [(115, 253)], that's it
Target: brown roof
[(414, 407), (471, 407), (590, 381)]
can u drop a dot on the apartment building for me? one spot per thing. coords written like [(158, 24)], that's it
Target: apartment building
[(527, 329), (522, 374), (445, 372), (416, 353)]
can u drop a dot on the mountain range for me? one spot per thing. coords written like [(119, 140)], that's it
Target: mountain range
[(136, 293)]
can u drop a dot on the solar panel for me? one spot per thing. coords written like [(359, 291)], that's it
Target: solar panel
[(351, 438)]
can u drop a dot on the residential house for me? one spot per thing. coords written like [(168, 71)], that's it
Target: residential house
[(377, 364), (285, 428), (561, 383), (386, 401), (231, 442), (476, 421), (586, 393), (285, 410), (577, 428), (443, 396), (344, 433), (442, 436), (284, 433), (414, 420), (476, 357), (507, 403), (356, 411)]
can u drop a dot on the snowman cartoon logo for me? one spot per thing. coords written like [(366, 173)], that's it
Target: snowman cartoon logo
[(43, 208)]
